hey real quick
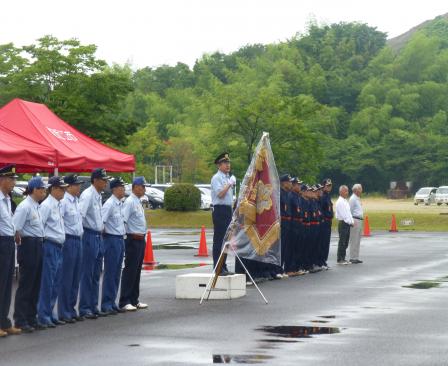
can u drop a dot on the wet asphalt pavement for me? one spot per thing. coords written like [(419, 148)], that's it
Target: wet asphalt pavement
[(350, 315)]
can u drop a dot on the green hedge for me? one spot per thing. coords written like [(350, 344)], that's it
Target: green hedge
[(182, 197)]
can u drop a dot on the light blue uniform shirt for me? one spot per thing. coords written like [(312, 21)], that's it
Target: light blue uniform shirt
[(6, 224), (113, 216), (134, 215), (50, 211), (219, 181), (71, 215), (27, 220), (90, 207)]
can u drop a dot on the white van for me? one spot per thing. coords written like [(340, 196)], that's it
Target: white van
[(425, 195), (442, 195)]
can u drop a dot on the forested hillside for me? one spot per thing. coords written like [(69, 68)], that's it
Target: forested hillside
[(337, 101)]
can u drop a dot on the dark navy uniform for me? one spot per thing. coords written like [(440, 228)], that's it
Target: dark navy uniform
[(7, 249), (315, 218), (306, 261), (285, 214), (327, 218)]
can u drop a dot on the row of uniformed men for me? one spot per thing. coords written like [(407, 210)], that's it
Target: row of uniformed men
[(306, 218), (62, 241)]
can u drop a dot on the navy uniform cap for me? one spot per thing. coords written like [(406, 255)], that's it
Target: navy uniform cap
[(100, 173), (139, 181), (296, 180), (285, 178), (319, 186), (327, 182), (57, 182), (35, 182), (222, 158), (304, 187), (72, 179), (9, 171), (117, 182)]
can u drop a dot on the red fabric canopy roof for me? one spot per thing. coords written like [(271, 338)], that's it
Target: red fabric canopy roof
[(27, 155), (75, 152)]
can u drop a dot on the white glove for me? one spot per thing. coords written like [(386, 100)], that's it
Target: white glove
[(232, 180)]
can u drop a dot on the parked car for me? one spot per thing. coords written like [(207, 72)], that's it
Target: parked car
[(18, 191), (148, 200), (156, 197), (425, 195), (206, 198), (441, 195), (161, 187)]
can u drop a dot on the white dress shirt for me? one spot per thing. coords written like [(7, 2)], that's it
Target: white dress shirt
[(219, 181), (27, 220), (71, 214), (356, 207), (6, 224), (343, 211), (90, 206), (50, 211), (113, 216), (134, 215)]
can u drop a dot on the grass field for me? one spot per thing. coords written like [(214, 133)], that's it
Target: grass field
[(379, 211)]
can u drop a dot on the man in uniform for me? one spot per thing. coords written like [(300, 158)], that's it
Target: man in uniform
[(7, 248), (135, 223), (29, 238), (71, 252), (306, 261), (327, 215), (92, 244), (222, 185), (114, 232), (50, 211), (285, 216)]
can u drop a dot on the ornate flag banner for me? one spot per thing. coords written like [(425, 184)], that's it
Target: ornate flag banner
[(254, 232)]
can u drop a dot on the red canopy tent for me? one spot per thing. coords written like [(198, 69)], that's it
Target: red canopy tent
[(27, 155), (75, 152)]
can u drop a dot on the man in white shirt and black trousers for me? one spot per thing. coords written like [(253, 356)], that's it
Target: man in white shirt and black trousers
[(358, 217), (344, 216), (222, 185)]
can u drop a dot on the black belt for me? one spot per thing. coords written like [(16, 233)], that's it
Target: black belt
[(114, 235), (36, 238), (222, 206), (70, 236), (86, 229), (358, 218), (6, 237)]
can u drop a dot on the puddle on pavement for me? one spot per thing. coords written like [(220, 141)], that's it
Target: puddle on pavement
[(319, 321), (297, 331), (245, 359), (172, 246), (423, 285), (276, 341), (134, 345), (327, 316), (152, 267)]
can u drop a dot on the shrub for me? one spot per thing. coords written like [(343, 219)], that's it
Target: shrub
[(182, 197)]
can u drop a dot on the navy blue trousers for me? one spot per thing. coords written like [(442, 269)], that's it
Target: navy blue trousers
[(29, 257), (7, 263), (70, 277), (92, 263), (222, 216), (113, 260), (51, 271)]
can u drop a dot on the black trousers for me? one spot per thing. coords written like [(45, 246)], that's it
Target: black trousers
[(222, 216), (325, 233), (130, 278), (7, 263), (344, 236), (29, 257), (286, 242)]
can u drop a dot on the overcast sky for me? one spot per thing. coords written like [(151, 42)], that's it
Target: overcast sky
[(155, 32)]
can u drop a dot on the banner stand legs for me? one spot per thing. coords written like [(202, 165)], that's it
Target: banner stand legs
[(211, 285)]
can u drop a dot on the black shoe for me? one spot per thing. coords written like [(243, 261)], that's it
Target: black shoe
[(91, 316), (101, 314), (51, 325), (110, 312), (26, 329), (40, 326), (120, 310), (59, 322), (69, 321), (355, 261), (79, 318)]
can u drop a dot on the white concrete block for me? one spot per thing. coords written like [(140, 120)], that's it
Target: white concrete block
[(192, 286)]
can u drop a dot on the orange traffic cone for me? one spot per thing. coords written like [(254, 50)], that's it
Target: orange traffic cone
[(393, 225), (203, 252), (149, 254), (366, 226)]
